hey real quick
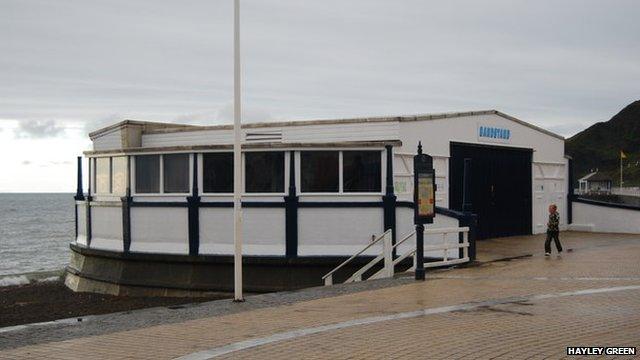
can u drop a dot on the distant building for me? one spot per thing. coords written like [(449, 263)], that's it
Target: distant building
[(595, 182)]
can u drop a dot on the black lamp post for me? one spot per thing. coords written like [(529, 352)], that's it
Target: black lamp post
[(424, 187)]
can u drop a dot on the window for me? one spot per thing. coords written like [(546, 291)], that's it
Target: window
[(103, 175), (264, 172), (175, 173), (217, 172), (319, 171), (361, 171), (147, 174), (119, 175)]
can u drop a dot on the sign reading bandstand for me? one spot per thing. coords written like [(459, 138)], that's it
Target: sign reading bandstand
[(493, 134)]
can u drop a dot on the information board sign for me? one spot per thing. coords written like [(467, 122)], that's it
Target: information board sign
[(424, 188), (426, 199)]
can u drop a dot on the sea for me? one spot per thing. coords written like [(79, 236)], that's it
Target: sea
[(35, 232)]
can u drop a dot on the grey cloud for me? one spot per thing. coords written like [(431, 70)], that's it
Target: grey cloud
[(59, 162), (26, 162), (250, 114), (38, 129), (548, 62), (567, 130)]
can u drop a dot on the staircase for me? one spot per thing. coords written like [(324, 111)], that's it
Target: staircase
[(388, 270)]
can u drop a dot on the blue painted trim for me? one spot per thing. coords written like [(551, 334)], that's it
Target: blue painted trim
[(291, 212), (341, 204), (126, 211), (389, 199), (193, 209)]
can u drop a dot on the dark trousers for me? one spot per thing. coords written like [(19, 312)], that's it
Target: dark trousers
[(555, 236)]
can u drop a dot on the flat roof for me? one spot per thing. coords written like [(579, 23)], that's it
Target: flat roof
[(149, 127)]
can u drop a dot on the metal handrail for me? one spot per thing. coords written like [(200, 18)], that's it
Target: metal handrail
[(388, 269), (445, 247), (356, 255), (446, 230)]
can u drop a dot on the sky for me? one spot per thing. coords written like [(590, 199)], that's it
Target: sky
[(68, 67)]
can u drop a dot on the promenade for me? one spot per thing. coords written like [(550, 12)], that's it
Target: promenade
[(515, 303)]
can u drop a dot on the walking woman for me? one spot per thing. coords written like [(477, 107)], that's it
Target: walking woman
[(553, 231)]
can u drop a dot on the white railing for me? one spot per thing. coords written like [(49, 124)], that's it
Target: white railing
[(389, 263), (629, 191), (357, 276)]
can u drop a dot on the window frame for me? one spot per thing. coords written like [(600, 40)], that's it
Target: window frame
[(341, 192), (201, 174), (299, 164), (285, 171), (287, 154), (94, 174), (161, 192)]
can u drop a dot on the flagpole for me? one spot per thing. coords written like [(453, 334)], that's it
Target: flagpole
[(237, 159), (620, 170)]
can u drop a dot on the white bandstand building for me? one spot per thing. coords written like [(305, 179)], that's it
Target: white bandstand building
[(158, 215)]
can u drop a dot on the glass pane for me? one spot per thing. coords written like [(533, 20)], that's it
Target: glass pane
[(119, 175), (264, 172), (319, 171), (148, 174), (176, 173), (103, 175), (217, 172), (361, 171)]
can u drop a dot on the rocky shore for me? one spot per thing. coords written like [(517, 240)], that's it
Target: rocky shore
[(51, 300)]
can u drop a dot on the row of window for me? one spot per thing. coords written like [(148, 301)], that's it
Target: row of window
[(320, 172)]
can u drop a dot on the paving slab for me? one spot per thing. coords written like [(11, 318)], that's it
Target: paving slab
[(529, 307)]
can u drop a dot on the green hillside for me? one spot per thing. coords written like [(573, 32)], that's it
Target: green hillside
[(598, 147)]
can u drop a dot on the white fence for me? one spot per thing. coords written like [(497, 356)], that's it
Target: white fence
[(628, 191), (388, 270)]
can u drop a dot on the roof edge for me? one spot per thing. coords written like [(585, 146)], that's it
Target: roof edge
[(161, 127), (534, 127), (142, 123)]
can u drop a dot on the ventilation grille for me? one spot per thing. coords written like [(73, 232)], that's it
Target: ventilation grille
[(263, 136)]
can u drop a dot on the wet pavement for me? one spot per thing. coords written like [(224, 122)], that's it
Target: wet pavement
[(516, 303)]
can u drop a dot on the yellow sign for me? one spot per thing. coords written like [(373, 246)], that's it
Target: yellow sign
[(426, 195)]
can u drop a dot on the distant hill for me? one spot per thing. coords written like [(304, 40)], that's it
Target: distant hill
[(598, 147)]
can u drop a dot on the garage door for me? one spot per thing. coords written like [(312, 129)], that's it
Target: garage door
[(500, 187)]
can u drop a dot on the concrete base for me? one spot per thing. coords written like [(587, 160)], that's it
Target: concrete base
[(81, 284), (141, 274)]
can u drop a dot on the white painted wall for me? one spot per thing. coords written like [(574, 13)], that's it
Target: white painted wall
[(549, 187), (548, 168), (437, 134), (106, 228), (109, 141), (159, 230), (82, 223), (605, 219), (338, 231), (290, 134), (263, 231)]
